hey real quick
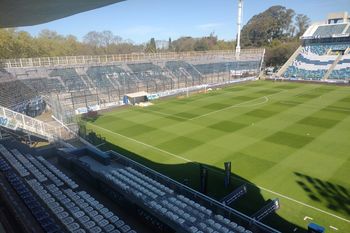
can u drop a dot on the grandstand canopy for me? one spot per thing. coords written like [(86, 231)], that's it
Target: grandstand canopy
[(15, 13)]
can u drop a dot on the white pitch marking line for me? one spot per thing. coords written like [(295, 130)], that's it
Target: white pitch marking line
[(334, 228), (239, 105), (304, 204), (266, 99), (242, 104), (142, 143), (308, 218), (233, 106), (187, 160)]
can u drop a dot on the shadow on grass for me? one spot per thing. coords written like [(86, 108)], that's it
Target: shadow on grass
[(335, 196), (189, 173)]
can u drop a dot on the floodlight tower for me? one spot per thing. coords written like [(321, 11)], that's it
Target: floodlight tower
[(239, 27)]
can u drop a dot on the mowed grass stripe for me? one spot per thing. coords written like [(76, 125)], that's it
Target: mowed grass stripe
[(255, 150)]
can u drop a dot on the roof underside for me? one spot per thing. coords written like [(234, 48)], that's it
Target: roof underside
[(15, 13)]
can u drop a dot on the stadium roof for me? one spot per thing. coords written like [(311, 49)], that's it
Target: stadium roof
[(15, 13)]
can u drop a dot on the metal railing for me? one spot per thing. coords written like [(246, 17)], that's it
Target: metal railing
[(132, 57), (15, 120)]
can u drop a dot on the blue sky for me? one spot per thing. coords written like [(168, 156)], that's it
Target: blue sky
[(139, 20)]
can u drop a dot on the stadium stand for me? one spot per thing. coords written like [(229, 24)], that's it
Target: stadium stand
[(44, 85), (98, 74), (158, 198), (324, 48), (55, 200), (323, 55), (310, 66), (70, 78), (184, 71), (326, 31), (242, 66), (72, 85), (342, 70), (14, 94), (151, 74)]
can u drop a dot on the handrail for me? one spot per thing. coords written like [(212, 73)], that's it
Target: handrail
[(13, 120), (102, 59)]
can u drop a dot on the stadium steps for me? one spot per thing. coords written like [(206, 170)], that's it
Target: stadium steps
[(87, 81), (193, 67), (346, 29), (330, 70), (112, 83), (289, 62), (347, 51), (20, 122), (85, 78)]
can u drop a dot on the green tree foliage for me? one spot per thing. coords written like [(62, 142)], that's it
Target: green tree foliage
[(210, 42), (170, 45), (302, 22), (184, 44), (18, 44), (279, 52), (278, 30), (274, 23), (151, 46)]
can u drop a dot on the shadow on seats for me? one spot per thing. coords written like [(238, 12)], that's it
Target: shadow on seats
[(189, 173)]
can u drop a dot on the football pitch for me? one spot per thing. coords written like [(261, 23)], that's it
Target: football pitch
[(285, 140)]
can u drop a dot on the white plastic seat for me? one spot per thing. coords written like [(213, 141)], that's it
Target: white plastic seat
[(217, 226), (103, 223), (240, 229), (193, 229), (89, 224)]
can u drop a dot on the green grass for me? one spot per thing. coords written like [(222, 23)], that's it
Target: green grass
[(289, 138)]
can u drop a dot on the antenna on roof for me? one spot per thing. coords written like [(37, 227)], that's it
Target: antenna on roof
[(239, 27)]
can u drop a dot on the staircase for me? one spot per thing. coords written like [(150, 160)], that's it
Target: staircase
[(111, 82), (192, 66), (16, 121), (289, 62), (330, 70), (87, 81)]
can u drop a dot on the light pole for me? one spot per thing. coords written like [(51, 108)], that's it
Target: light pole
[(239, 27)]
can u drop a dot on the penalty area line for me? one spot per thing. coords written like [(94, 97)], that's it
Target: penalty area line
[(260, 187)]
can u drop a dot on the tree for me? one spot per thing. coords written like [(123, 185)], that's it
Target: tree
[(184, 44), (224, 45), (274, 23), (92, 38), (201, 45), (280, 52), (302, 22), (49, 34), (151, 46), (170, 45)]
